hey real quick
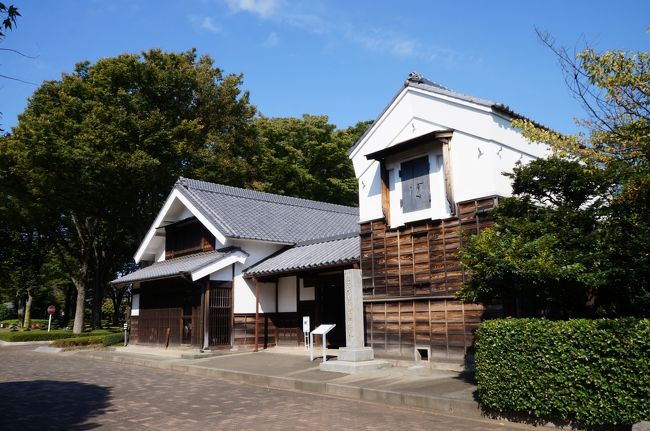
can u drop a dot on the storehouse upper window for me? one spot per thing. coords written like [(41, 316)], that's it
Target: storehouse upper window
[(416, 190)]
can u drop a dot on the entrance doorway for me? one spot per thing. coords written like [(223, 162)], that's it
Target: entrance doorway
[(219, 313), (330, 306)]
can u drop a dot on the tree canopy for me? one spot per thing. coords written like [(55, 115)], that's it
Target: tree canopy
[(95, 154), (307, 157), (575, 237)]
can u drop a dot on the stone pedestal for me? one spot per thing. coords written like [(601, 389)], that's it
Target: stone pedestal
[(354, 357), (356, 354)]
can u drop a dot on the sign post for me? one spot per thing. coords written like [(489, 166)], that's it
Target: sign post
[(126, 330), (306, 329), (50, 310)]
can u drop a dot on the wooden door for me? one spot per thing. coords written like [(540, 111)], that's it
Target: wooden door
[(219, 313)]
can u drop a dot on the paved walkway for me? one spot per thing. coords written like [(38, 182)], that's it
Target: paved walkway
[(64, 391), (439, 391)]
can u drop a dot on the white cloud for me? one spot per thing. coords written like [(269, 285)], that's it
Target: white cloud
[(301, 15), (261, 8), (208, 24), (271, 41), (400, 45)]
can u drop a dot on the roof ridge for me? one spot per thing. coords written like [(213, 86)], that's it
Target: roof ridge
[(331, 238), (259, 196)]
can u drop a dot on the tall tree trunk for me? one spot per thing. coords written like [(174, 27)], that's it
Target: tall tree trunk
[(27, 318), (67, 306), (20, 310), (117, 296), (78, 326)]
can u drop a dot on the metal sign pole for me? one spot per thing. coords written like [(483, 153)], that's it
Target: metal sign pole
[(50, 310)]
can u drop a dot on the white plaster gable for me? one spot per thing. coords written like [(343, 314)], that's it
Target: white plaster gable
[(176, 208), (484, 144)]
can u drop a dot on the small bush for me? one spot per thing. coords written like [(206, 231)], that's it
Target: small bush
[(39, 335), (78, 341), (112, 339), (6, 312), (10, 322), (35, 335), (584, 372)]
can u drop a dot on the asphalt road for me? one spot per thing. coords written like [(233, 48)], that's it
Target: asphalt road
[(46, 391)]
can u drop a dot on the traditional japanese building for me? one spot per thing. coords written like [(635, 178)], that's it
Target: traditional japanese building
[(226, 266), (429, 170)]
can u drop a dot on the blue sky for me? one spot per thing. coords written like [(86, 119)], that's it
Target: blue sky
[(344, 59)]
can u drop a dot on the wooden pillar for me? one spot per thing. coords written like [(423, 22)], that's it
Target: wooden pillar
[(205, 303), (257, 313)]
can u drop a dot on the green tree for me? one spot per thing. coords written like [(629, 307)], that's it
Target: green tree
[(307, 157), (97, 151), (8, 16), (575, 237)]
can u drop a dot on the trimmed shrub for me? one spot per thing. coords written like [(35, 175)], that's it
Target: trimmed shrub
[(584, 372), (112, 339), (39, 335), (78, 341), (35, 335)]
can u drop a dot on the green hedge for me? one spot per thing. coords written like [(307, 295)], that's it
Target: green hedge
[(36, 335), (41, 335), (79, 341), (112, 339), (88, 340), (584, 372)]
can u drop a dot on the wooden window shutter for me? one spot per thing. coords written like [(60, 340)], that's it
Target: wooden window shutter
[(416, 190)]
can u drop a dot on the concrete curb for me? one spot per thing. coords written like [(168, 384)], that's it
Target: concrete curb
[(448, 406), (24, 343)]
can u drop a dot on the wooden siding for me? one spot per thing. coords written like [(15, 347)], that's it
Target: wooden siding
[(163, 304), (409, 276), (275, 329), (133, 330), (187, 237), (419, 259), (445, 326)]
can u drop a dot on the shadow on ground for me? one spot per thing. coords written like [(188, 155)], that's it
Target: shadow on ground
[(51, 405)]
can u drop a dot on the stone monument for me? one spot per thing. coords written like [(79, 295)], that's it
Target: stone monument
[(355, 356)]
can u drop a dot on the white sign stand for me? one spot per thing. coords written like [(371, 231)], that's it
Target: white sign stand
[(321, 330)]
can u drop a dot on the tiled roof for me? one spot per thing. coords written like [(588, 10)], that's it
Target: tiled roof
[(310, 255), (249, 214), (175, 267)]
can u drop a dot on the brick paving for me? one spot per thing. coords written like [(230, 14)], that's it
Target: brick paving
[(43, 391)]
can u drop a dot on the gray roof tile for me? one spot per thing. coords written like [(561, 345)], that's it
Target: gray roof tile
[(310, 255), (249, 214), (175, 267)]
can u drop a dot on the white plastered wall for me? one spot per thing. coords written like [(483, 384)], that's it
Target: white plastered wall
[(483, 145), (287, 294), (244, 289)]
